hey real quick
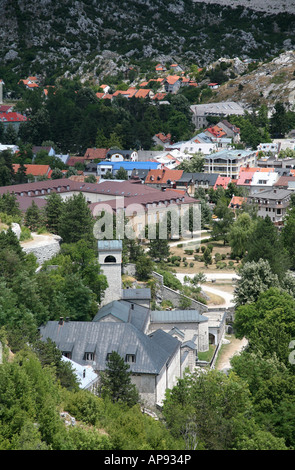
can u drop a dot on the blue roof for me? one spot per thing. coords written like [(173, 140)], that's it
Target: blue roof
[(131, 165)]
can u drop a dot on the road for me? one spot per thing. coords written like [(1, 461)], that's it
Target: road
[(228, 297), (196, 239)]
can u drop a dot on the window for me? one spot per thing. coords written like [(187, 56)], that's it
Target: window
[(110, 259), (130, 358), (67, 354), (89, 356)]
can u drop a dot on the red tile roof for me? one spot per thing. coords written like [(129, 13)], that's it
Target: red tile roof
[(142, 93), (72, 160), (35, 170), (216, 131), (163, 176), (222, 181), (171, 79), (237, 201), (159, 96), (12, 117), (94, 153)]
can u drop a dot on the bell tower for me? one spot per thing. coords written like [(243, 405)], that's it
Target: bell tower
[(110, 261)]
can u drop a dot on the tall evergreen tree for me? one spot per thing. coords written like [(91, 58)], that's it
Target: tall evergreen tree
[(53, 211), (116, 381), (76, 221)]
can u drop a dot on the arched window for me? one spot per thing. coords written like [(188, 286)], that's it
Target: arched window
[(110, 259)]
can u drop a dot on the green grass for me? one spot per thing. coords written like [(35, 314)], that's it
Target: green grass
[(207, 355)]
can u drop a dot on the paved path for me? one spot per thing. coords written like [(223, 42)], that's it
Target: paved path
[(202, 235), (234, 347)]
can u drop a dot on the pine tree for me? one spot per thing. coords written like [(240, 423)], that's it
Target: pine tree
[(116, 381), (34, 217), (53, 212), (76, 221)]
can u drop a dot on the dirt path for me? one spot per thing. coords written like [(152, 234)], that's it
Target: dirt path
[(228, 351)]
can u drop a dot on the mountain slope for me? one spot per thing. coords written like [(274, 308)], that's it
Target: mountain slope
[(269, 82), (94, 35)]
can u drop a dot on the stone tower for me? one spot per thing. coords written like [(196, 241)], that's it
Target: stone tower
[(110, 260)]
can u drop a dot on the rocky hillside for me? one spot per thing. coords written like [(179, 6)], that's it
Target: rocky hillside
[(101, 37), (269, 82), (266, 6)]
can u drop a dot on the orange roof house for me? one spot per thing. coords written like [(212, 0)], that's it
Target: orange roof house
[(95, 153), (34, 170), (222, 181), (159, 96), (215, 131), (144, 93), (236, 202), (164, 177)]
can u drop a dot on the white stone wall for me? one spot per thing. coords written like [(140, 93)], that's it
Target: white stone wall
[(189, 330), (114, 290), (146, 386)]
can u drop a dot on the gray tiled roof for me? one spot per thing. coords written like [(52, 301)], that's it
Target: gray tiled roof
[(144, 293), (152, 352), (109, 245), (177, 316), (123, 311), (210, 177)]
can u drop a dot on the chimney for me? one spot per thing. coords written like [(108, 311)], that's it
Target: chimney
[(61, 321)]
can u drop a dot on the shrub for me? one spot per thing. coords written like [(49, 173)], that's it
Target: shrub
[(25, 234), (203, 248), (191, 265), (217, 257), (221, 265)]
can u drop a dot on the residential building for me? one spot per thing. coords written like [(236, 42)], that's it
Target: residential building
[(194, 146), (222, 182), (263, 180), (191, 181), (129, 166), (277, 163), (172, 84), (272, 203), (12, 118), (92, 154), (12, 148), (200, 112), (50, 150), (120, 155), (35, 171), (163, 178), (237, 202), (268, 148), (162, 139), (285, 182), (231, 130), (229, 162)]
